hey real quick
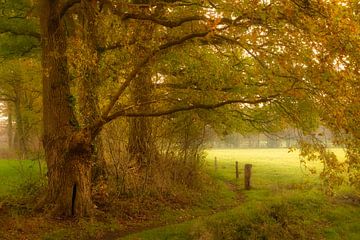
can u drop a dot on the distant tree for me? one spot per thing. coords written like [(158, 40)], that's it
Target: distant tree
[(20, 88), (19, 48)]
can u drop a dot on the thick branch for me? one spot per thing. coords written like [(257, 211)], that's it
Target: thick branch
[(188, 108), (163, 22), (168, 4), (138, 68)]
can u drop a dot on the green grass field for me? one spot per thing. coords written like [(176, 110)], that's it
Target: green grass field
[(271, 167), (14, 173), (285, 202)]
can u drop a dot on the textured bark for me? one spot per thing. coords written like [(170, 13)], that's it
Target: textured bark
[(90, 79), (67, 149), (141, 146), (69, 177), (10, 126), (89, 83)]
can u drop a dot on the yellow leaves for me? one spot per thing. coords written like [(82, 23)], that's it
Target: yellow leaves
[(80, 55), (212, 25), (333, 169), (216, 23)]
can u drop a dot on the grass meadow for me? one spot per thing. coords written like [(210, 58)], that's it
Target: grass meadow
[(285, 202), (15, 174)]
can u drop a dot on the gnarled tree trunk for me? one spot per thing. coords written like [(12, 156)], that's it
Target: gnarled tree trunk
[(69, 176), (67, 148)]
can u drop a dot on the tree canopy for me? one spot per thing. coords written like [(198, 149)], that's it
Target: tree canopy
[(235, 65)]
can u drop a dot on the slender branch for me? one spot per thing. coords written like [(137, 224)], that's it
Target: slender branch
[(192, 87), (234, 41), (114, 46), (125, 84), (183, 39)]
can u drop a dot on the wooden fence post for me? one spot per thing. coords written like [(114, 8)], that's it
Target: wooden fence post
[(237, 169), (247, 176), (215, 164)]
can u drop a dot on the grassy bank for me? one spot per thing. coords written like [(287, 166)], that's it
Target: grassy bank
[(15, 173), (286, 202)]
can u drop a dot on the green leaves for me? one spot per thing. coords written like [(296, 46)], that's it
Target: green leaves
[(15, 46), (19, 31)]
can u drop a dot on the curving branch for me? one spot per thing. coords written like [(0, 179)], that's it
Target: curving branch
[(141, 64), (163, 22), (192, 87), (125, 84), (183, 39), (123, 113)]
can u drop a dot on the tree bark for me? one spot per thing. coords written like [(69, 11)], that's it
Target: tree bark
[(89, 83), (67, 148), (69, 177), (141, 145), (10, 126)]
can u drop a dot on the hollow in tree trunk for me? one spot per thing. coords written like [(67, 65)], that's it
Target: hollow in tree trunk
[(70, 177)]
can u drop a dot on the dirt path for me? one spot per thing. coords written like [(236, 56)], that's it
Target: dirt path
[(114, 235)]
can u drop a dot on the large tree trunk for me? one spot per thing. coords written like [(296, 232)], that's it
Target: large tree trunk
[(67, 149), (70, 176), (89, 84), (141, 145)]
